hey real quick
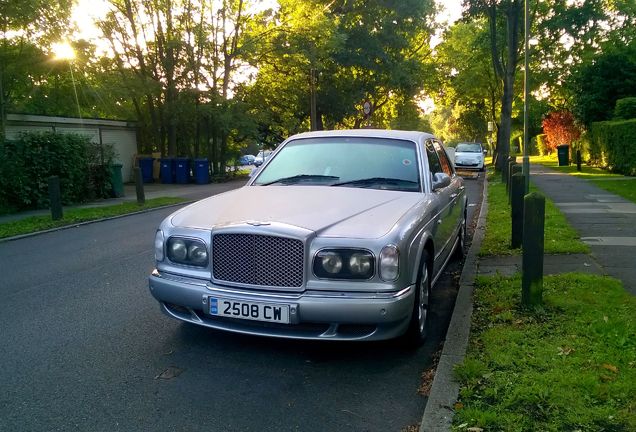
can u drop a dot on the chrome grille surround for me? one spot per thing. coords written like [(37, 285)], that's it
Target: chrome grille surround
[(257, 259)]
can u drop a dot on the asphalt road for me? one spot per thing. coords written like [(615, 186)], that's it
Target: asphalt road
[(85, 347)]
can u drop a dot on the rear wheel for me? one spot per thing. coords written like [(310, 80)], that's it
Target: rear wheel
[(418, 326)]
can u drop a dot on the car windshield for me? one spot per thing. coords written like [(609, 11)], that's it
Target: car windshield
[(376, 163), (468, 148)]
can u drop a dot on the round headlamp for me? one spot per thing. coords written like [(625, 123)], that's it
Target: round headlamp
[(331, 262)]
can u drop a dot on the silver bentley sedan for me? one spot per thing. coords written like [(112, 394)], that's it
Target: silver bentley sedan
[(340, 235)]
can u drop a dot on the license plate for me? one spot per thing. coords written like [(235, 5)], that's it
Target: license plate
[(256, 311)]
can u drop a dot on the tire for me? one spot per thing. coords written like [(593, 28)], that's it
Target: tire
[(419, 324)]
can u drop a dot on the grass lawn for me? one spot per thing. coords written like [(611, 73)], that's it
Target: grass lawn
[(559, 236), (77, 215), (614, 183), (569, 366)]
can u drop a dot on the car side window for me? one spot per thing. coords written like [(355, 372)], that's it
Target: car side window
[(443, 158), (433, 160)]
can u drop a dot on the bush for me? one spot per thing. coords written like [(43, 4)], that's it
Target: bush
[(625, 109), (28, 162), (559, 128), (613, 145)]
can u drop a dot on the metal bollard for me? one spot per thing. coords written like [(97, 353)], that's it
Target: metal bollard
[(139, 186), (578, 160), (55, 196), (516, 203), (533, 243)]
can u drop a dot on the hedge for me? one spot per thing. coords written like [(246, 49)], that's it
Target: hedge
[(613, 145), (27, 162)]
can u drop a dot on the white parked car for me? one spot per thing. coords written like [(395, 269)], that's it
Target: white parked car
[(340, 235), (469, 156)]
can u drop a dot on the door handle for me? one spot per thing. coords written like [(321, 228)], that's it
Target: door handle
[(454, 195)]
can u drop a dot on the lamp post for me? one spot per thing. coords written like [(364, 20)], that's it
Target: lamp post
[(526, 158)]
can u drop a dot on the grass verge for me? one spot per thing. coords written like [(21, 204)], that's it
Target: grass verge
[(569, 366), (560, 237), (614, 183), (77, 215)]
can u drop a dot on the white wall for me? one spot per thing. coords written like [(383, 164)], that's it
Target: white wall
[(124, 143)]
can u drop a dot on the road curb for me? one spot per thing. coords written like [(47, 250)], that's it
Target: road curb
[(75, 225), (439, 411)]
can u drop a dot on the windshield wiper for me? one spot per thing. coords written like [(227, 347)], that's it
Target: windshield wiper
[(301, 177), (377, 180)]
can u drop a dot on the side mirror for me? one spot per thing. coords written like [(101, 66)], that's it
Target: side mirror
[(440, 181), (485, 151)]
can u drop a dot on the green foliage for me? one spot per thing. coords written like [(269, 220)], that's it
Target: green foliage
[(613, 145), (566, 367), (28, 162), (625, 109), (598, 84), (77, 215)]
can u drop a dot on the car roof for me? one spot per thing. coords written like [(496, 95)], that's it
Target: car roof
[(369, 133)]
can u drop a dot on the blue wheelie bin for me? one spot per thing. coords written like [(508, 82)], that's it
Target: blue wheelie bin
[(182, 170), (201, 171), (167, 170), (145, 164)]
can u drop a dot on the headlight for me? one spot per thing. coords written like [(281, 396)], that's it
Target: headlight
[(159, 246), (331, 262), (360, 263), (344, 264), (389, 263), (187, 251)]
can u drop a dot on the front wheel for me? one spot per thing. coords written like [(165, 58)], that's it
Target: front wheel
[(418, 326)]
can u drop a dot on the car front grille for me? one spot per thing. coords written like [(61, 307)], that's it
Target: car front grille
[(256, 259)]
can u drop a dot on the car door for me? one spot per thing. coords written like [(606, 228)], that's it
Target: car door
[(443, 224), (456, 191)]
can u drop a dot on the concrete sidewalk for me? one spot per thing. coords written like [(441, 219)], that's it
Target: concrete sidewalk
[(603, 220), (189, 192)]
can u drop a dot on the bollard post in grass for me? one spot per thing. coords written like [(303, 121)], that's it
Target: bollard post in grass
[(55, 196), (505, 175), (578, 160), (532, 257), (139, 186), (516, 202), (514, 169)]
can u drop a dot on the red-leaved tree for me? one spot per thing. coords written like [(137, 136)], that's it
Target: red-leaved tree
[(559, 128)]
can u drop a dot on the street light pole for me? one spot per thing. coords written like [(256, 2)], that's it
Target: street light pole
[(526, 159)]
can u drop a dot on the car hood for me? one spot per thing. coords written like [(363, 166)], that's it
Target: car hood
[(327, 211)]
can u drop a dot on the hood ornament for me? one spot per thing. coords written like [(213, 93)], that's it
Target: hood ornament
[(257, 223)]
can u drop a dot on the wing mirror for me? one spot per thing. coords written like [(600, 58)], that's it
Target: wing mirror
[(440, 181)]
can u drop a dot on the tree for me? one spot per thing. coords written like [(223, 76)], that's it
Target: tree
[(465, 84), (560, 128), (597, 85), (25, 26), (504, 54)]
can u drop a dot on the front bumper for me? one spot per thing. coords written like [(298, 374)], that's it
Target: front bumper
[(315, 314), (469, 165)]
